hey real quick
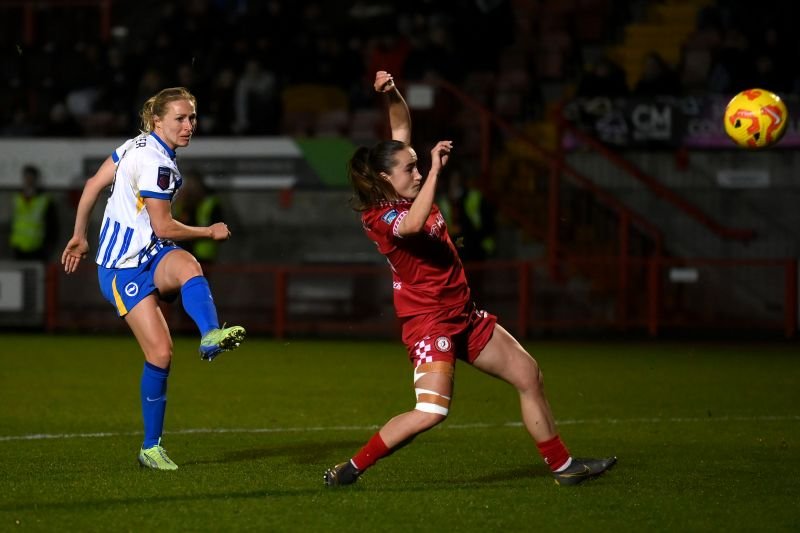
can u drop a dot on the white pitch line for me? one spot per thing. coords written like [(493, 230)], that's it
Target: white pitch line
[(191, 431)]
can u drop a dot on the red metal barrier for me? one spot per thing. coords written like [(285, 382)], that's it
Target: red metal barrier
[(654, 295), (659, 189), (29, 8), (558, 168)]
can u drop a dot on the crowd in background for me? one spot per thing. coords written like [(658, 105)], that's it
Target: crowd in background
[(239, 57)]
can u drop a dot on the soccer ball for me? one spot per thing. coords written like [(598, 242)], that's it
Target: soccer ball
[(756, 118)]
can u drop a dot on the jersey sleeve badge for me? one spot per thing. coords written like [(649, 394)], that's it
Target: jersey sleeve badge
[(164, 174), (389, 216)]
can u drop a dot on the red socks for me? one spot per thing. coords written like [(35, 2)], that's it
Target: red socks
[(554, 452), (370, 453)]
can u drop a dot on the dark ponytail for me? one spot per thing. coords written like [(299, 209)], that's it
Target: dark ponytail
[(364, 170)]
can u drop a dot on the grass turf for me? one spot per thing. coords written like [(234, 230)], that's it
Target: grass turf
[(707, 435)]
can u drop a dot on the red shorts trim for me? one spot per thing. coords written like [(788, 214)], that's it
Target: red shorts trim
[(447, 335)]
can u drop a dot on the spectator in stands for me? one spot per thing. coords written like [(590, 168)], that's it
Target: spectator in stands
[(433, 54), (256, 100), (34, 221), (469, 216), (440, 323), (198, 205), (387, 50), (138, 262), (484, 29), (772, 58), (730, 63), (602, 77), (222, 105), (658, 78), (61, 123)]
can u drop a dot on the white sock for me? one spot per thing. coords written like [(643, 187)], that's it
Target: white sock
[(565, 465)]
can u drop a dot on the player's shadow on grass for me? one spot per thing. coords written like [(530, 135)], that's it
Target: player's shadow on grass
[(301, 452), (104, 503), (523, 472), (312, 452)]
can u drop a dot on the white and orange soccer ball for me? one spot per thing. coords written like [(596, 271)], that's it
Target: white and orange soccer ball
[(756, 118)]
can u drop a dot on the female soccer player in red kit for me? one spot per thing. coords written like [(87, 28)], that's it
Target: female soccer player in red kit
[(440, 323)]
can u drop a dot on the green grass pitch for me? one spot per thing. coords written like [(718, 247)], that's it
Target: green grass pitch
[(707, 435)]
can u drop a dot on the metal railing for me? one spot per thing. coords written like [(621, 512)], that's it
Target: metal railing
[(662, 296)]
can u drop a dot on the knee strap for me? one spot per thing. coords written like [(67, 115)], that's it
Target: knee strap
[(429, 401), (440, 367)]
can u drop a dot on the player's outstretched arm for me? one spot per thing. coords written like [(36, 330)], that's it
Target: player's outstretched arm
[(166, 227), (399, 116), (78, 245)]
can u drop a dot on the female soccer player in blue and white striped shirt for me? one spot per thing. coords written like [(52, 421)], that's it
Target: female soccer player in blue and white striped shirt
[(138, 262)]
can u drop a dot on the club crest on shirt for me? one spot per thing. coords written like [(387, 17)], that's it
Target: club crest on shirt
[(389, 216), (163, 178), (443, 344), (437, 226)]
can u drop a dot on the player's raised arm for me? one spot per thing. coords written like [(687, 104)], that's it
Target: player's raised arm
[(399, 116), (78, 245)]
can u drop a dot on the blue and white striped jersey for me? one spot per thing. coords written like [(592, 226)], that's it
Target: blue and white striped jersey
[(146, 168)]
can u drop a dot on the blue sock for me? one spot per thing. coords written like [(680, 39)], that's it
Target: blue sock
[(199, 304), (154, 402)]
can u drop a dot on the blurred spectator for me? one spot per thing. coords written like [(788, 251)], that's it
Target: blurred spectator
[(34, 222), (485, 27), (603, 77), (219, 119), (470, 217), (387, 52), (150, 83), (198, 205), (217, 43), (20, 125), (444, 59), (773, 62), (730, 64), (658, 78), (61, 123), (256, 101)]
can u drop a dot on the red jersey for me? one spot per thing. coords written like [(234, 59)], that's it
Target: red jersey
[(427, 272)]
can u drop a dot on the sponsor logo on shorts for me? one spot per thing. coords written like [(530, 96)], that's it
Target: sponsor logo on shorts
[(131, 289), (443, 344)]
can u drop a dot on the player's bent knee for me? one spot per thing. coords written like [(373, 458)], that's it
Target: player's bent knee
[(432, 406), (193, 268), (161, 361), (436, 405), (160, 357), (539, 376), (529, 379)]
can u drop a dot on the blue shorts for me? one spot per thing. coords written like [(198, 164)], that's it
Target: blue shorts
[(126, 287)]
